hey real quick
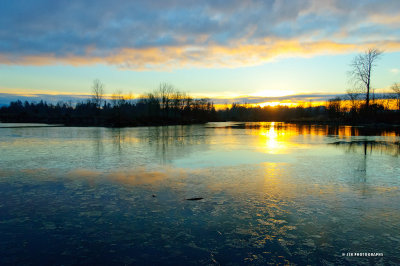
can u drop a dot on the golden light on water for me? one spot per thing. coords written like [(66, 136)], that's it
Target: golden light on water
[(278, 138), (272, 141)]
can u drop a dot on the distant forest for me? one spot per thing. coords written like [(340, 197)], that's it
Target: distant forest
[(166, 106)]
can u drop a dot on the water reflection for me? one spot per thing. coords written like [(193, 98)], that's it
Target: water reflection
[(274, 139), (176, 141), (105, 148), (278, 137), (321, 130), (370, 147), (273, 193)]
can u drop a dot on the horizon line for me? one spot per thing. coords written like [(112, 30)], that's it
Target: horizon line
[(7, 98)]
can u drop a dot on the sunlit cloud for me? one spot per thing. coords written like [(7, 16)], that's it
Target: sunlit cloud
[(27, 92), (214, 56), (283, 100), (209, 56), (165, 35), (386, 20)]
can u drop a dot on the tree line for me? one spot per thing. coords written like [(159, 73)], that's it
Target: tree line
[(167, 106)]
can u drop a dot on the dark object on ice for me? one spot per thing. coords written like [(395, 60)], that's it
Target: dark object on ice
[(194, 199), (153, 196)]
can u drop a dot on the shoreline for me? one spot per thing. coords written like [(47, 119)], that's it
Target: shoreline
[(376, 125)]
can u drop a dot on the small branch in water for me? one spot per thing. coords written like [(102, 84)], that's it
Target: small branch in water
[(194, 199)]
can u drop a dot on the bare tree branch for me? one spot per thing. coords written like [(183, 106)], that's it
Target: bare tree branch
[(97, 92), (361, 70)]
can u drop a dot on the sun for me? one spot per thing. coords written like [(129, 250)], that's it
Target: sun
[(274, 104)]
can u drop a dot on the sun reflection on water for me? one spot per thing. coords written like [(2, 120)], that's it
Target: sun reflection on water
[(273, 140)]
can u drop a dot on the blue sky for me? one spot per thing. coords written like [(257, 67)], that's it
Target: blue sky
[(219, 49)]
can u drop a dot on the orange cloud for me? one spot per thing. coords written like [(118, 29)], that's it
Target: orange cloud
[(235, 55), (385, 19), (38, 92)]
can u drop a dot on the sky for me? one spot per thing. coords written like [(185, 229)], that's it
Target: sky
[(271, 50)]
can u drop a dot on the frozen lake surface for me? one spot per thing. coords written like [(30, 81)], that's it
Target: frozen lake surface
[(272, 193)]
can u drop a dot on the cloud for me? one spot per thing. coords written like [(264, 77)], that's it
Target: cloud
[(6, 98), (209, 56), (294, 98), (395, 70), (173, 33)]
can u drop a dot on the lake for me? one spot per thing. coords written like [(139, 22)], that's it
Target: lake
[(272, 193)]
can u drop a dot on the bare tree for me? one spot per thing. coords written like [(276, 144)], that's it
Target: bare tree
[(165, 91), (177, 100), (361, 70), (97, 92), (396, 90)]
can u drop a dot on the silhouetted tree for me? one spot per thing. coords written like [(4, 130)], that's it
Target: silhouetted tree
[(396, 90), (164, 92), (361, 70), (97, 93)]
